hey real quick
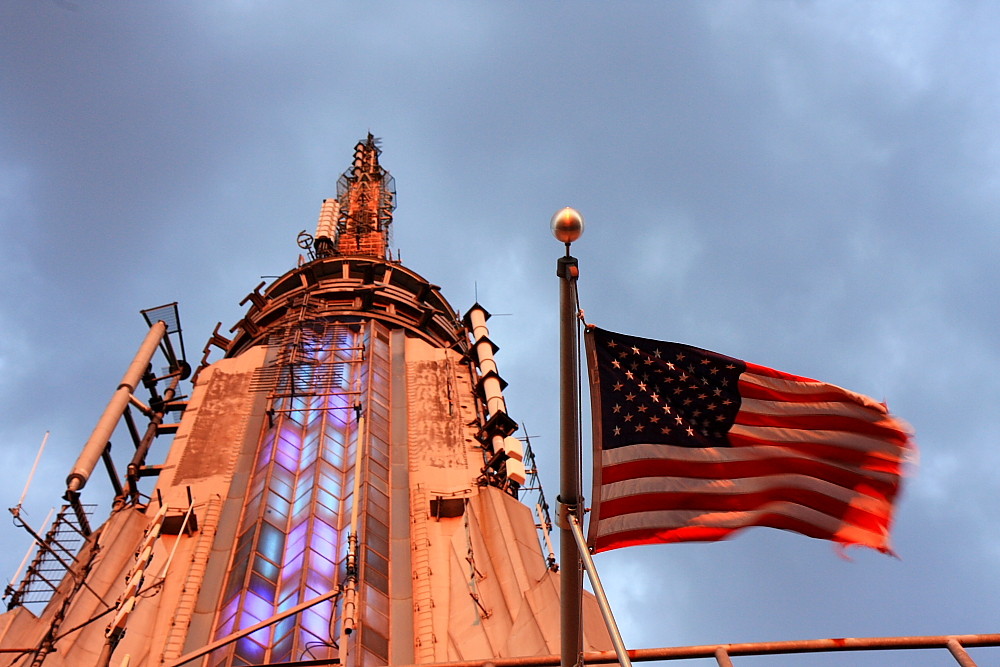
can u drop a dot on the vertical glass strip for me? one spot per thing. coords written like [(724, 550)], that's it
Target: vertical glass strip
[(294, 535)]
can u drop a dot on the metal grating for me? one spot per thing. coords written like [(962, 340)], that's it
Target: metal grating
[(296, 371), (296, 380), (52, 560), (168, 313)]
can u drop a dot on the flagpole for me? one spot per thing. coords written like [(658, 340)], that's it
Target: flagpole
[(567, 226), (602, 598)]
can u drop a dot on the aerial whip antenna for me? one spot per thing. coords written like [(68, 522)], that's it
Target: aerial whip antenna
[(34, 467)]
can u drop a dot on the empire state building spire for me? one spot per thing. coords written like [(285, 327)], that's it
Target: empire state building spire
[(342, 487), (357, 221)]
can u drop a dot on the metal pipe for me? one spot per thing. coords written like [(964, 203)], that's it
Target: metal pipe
[(960, 654), (152, 429), (73, 498), (104, 659), (711, 650), (94, 446), (571, 584), (602, 598), (132, 430), (551, 556), (31, 549), (109, 465), (143, 408), (168, 352), (722, 657), (350, 611), (41, 542)]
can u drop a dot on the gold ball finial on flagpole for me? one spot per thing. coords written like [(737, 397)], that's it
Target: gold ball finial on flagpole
[(567, 225)]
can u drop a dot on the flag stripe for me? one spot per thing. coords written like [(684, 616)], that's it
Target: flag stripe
[(638, 461), (823, 423), (843, 439), (830, 489), (686, 525), (792, 388), (867, 461), (875, 520), (834, 449), (806, 393), (771, 407)]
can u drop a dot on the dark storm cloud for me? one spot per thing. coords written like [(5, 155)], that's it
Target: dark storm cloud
[(812, 186)]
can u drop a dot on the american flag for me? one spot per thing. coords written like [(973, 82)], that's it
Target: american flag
[(691, 445)]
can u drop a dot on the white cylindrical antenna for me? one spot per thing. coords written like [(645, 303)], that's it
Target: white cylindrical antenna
[(329, 213), (492, 383), (94, 447), (34, 467)]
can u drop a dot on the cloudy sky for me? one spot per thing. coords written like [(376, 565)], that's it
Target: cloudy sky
[(813, 186)]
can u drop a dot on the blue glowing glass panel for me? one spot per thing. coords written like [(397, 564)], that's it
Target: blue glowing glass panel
[(287, 457), (278, 504), (314, 622), (302, 504), (282, 649), (271, 542), (266, 568), (324, 532)]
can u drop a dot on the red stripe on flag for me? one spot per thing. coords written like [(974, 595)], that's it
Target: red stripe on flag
[(748, 494), (843, 534), (741, 502)]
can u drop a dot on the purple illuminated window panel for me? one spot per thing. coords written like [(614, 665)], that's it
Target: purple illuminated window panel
[(250, 650), (324, 566), (277, 510), (287, 456), (314, 623), (262, 587), (302, 505), (282, 649), (324, 532)]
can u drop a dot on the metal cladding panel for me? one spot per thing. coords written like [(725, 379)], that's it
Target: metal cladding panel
[(481, 587), (536, 627), (400, 551), (215, 423), (492, 594)]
